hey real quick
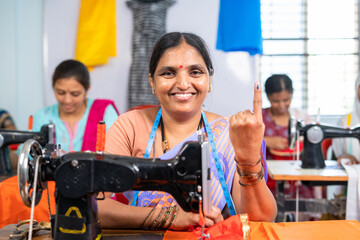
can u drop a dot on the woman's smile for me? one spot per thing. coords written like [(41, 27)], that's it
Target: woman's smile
[(183, 96)]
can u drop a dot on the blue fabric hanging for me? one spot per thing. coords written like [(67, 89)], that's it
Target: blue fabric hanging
[(239, 26)]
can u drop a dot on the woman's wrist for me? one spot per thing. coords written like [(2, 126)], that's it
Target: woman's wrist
[(250, 173), (161, 218)]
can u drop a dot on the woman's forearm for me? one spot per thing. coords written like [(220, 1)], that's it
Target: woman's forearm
[(113, 214), (256, 200)]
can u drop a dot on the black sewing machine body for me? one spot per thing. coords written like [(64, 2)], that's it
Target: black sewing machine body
[(314, 134), (7, 137), (81, 176)]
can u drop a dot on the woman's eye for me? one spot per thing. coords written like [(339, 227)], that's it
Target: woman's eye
[(60, 92), (167, 74), (75, 94), (196, 72)]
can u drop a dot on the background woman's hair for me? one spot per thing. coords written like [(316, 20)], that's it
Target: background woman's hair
[(277, 83), (174, 39), (72, 68)]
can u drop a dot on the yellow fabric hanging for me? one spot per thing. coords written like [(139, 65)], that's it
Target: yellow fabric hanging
[(96, 38)]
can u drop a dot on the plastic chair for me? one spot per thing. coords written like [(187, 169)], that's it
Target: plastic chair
[(325, 146)]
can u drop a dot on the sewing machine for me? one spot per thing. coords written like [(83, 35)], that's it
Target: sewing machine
[(80, 176), (7, 137), (314, 134)]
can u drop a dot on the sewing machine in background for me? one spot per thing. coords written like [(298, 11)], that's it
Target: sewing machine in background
[(8, 137), (314, 134), (80, 176)]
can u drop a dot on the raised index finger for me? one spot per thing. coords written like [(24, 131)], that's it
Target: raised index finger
[(257, 102)]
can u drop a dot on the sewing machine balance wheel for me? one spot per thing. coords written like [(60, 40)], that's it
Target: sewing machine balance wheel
[(30, 154)]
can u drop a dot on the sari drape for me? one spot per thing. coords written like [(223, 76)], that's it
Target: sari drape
[(220, 130)]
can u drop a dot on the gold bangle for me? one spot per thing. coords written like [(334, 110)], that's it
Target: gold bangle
[(142, 225), (172, 220), (248, 165), (166, 217), (153, 226)]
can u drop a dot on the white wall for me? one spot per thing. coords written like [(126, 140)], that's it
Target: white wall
[(21, 58), (232, 82)]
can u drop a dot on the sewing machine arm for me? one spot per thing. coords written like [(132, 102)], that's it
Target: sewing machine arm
[(82, 173), (7, 137)]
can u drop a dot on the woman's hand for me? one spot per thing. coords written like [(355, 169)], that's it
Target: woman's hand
[(247, 130), (351, 157), (184, 220), (276, 142)]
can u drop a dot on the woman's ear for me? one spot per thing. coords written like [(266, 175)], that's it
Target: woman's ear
[(210, 81), (152, 84), (87, 91)]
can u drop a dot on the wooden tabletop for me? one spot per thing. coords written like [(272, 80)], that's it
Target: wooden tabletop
[(291, 170), (310, 230), (113, 234)]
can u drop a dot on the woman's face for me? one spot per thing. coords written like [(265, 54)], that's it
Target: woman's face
[(280, 102), (181, 80), (70, 94)]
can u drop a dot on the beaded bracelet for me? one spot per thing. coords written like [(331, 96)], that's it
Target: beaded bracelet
[(142, 225), (176, 210), (248, 165)]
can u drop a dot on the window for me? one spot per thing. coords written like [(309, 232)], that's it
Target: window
[(316, 43)]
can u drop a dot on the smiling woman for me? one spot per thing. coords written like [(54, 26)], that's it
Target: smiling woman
[(75, 115), (180, 74)]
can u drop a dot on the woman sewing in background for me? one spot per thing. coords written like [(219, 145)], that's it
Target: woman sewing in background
[(349, 147), (75, 117), (180, 73), (279, 90)]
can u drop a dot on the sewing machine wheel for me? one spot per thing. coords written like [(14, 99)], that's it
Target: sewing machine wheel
[(26, 172), (292, 132)]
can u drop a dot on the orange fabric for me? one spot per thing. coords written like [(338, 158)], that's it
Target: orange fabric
[(143, 107), (335, 229), (13, 209), (312, 230), (229, 229)]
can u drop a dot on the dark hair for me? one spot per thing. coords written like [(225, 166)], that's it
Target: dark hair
[(174, 39), (277, 83), (72, 68)]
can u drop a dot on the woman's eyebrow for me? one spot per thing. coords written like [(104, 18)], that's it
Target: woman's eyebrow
[(197, 66), (166, 68)]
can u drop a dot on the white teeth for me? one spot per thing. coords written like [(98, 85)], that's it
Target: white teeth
[(183, 95)]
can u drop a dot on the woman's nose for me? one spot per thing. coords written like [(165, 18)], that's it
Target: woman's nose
[(282, 105), (67, 98), (183, 82)]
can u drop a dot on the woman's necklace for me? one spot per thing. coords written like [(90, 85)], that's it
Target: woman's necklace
[(165, 142)]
